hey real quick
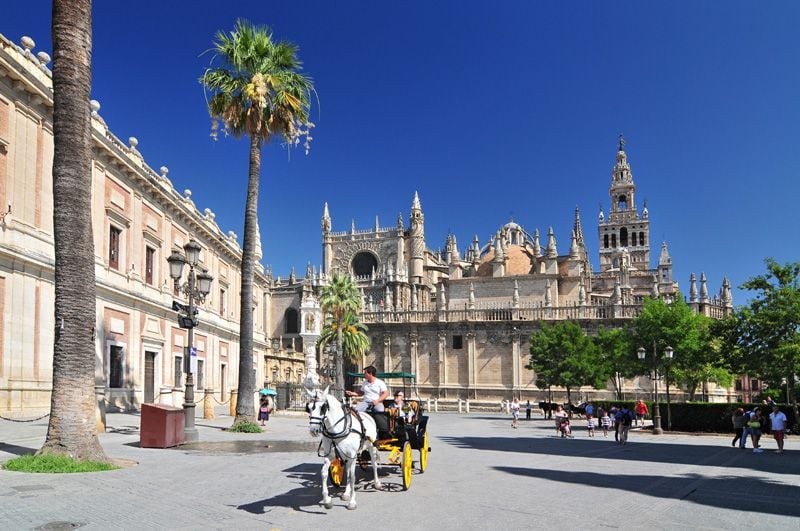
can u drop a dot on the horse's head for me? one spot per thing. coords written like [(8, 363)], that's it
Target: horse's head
[(317, 408)]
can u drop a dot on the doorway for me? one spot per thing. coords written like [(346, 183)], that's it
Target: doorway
[(149, 376)]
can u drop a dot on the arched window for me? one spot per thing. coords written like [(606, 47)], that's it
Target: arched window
[(641, 238), (614, 241), (363, 263), (622, 202), (291, 321), (623, 237), (605, 241)]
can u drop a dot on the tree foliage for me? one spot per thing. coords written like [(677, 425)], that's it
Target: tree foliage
[(614, 356), (355, 341), (765, 336), (339, 298)]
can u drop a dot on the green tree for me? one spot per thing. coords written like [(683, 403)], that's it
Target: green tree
[(562, 355), (767, 332), (338, 299), (355, 341), (72, 429), (257, 92), (614, 355)]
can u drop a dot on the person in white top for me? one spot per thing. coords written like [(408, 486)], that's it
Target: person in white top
[(778, 419), (373, 390), (514, 413)]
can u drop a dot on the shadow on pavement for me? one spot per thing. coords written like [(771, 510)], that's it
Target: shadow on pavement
[(16, 450), (691, 454), (306, 498), (749, 494)]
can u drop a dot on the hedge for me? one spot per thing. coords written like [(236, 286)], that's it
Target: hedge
[(700, 416)]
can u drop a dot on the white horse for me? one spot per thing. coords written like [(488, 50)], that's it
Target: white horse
[(345, 434)]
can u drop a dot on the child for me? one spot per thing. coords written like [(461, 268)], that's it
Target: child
[(565, 429), (605, 422), (590, 425), (263, 410)]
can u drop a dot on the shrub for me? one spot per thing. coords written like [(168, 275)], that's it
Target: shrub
[(245, 427), (54, 464)]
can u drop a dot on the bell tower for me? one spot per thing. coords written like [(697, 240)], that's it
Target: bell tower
[(624, 227)]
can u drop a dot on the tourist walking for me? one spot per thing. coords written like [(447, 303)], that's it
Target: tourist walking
[(738, 425), (641, 412), (624, 421), (527, 410), (560, 415), (614, 424), (778, 419), (591, 423), (756, 424), (263, 410), (514, 413), (746, 427)]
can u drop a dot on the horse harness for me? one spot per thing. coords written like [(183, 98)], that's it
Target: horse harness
[(345, 431)]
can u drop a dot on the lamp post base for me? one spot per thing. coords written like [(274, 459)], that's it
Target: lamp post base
[(657, 430), (190, 435)]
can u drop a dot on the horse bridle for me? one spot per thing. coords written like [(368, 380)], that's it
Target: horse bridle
[(320, 421)]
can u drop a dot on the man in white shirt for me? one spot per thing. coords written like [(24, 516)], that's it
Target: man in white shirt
[(373, 390), (778, 419)]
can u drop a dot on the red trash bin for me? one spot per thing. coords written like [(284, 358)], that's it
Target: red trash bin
[(161, 426)]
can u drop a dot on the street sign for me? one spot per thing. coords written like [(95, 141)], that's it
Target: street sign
[(193, 360)]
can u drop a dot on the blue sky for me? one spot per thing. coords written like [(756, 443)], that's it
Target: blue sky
[(489, 111)]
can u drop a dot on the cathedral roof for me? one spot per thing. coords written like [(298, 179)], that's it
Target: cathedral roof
[(519, 262)]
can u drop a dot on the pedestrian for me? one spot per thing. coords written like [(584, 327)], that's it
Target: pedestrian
[(514, 413), (614, 411), (263, 410), (746, 431), (738, 425), (756, 424), (589, 409), (527, 410), (778, 419), (624, 420), (590, 425), (605, 422), (641, 412), (770, 402), (560, 415)]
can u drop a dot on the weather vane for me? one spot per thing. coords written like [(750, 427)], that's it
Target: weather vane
[(621, 142)]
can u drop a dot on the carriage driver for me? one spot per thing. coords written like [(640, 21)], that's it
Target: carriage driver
[(373, 390)]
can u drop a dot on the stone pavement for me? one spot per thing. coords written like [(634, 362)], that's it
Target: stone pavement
[(481, 474)]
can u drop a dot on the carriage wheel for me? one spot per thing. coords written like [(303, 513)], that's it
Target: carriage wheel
[(407, 466), (423, 453), (336, 472)]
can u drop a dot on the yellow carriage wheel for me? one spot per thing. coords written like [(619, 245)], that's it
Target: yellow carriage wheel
[(336, 472), (394, 456), (407, 465), (423, 453)]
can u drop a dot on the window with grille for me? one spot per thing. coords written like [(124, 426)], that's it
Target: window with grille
[(116, 367), (113, 246), (149, 264)]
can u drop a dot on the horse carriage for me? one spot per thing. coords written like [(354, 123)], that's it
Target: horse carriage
[(349, 438)]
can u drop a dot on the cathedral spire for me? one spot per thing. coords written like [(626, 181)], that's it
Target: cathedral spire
[(552, 251), (573, 247), (692, 288), (576, 226), (326, 219), (664, 259), (703, 288), (415, 204), (537, 248)]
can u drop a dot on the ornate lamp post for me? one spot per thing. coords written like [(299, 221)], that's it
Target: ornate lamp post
[(668, 352), (196, 288)]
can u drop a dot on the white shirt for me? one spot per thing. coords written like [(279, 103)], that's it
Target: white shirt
[(407, 415), (373, 391), (778, 421)]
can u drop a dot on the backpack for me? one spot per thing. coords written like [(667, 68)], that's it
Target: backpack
[(627, 418)]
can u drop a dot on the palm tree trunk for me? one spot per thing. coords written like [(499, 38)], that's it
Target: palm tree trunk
[(72, 429), (338, 360), (245, 406)]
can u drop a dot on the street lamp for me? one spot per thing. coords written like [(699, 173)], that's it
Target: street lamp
[(197, 287), (668, 352)]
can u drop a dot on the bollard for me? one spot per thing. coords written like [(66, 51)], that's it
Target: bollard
[(208, 406), (233, 402), (467, 407), (459, 405), (429, 404), (436, 405), (508, 407)]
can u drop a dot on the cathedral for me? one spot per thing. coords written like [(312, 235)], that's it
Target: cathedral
[(460, 319)]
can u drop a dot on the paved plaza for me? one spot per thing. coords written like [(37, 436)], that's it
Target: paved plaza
[(481, 474)]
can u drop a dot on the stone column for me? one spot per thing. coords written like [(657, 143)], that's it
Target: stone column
[(515, 358), (472, 362), (208, 405), (442, 355), (311, 326), (387, 352), (233, 402)]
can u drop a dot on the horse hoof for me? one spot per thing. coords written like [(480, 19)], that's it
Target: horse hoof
[(345, 497), (351, 507), (329, 505), (378, 485)]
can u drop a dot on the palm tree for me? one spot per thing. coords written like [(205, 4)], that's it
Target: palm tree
[(355, 342), (338, 299), (258, 92), (72, 429)]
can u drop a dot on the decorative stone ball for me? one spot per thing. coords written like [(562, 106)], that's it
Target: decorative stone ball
[(133, 141), (44, 57), (164, 170), (27, 42), (94, 105)]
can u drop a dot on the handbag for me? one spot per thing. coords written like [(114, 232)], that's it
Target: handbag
[(754, 424)]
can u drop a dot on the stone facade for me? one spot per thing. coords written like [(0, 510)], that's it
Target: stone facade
[(138, 218), (461, 320)]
